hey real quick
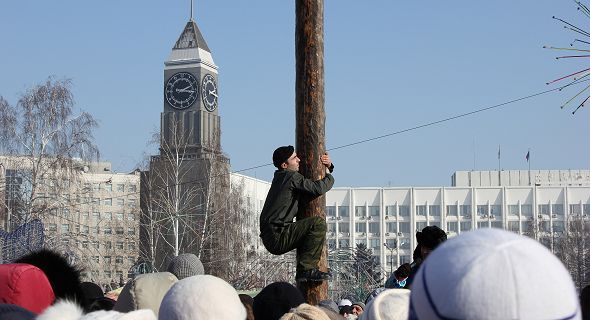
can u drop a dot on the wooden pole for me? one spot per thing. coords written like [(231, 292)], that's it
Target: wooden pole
[(310, 118)]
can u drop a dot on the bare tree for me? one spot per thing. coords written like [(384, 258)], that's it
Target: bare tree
[(573, 248), (41, 137)]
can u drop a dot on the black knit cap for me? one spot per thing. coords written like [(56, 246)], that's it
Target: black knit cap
[(431, 237), (275, 300), (281, 155)]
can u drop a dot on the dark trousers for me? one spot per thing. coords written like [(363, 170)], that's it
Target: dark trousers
[(306, 235)]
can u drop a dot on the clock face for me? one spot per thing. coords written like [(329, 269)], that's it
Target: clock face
[(209, 92), (182, 90)]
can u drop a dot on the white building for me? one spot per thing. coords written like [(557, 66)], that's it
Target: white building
[(379, 216)]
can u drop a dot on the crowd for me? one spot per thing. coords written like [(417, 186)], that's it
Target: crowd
[(482, 274)]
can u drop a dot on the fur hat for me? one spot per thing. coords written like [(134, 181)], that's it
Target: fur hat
[(145, 291), (275, 300), (66, 310), (391, 304), (185, 265), (305, 312), (281, 155), (64, 278), (201, 297), (14, 312), (431, 236), (493, 274)]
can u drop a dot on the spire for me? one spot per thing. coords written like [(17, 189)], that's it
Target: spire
[(191, 37), (191, 10)]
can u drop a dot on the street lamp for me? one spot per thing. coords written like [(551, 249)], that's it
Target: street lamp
[(390, 255)]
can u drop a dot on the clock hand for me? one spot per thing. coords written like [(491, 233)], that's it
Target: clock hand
[(184, 90), (213, 93)]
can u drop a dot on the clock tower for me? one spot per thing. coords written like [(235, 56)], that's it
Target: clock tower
[(190, 119)]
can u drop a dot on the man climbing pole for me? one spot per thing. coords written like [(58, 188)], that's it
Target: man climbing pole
[(279, 233)]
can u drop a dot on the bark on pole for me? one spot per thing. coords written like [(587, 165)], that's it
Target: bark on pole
[(310, 117)]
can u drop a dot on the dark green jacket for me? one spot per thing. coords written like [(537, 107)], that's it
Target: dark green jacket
[(281, 205)]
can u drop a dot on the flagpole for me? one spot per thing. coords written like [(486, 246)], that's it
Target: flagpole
[(529, 161), (499, 168)]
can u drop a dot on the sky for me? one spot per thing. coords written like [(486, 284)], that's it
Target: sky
[(389, 66)]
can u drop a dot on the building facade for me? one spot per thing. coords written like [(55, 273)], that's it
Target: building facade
[(387, 219), (90, 214)]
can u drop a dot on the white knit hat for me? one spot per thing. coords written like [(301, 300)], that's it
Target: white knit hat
[(201, 297), (344, 302), (68, 310), (391, 304), (493, 274)]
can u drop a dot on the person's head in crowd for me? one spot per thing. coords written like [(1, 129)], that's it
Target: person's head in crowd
[(145, 291), (67, 310), (185, 265), (344, 302), (333, 315), (103, 303), (248, 303), (91, 292), (585, 302), (346, 311), (275, 300), (26, 286), (493, 274), (391, 304), (14, 312), (64, 277), (402, 272), (201, 297), (329, 304), (358, 308), (429, 238), (305, 312)]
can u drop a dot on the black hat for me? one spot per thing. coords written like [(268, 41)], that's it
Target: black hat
[(281, 155), (431, 237), (275, 300)]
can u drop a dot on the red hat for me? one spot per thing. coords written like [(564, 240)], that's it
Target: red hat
[(26, 286)]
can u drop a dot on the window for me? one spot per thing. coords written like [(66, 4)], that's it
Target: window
[(374, 211), (119, 216), (513, 209), (404, 211), (84, 215), (96, 186), (108, 186), (120, 202), (434, 210), (391, 243), (96, 201), (514, 226), (465, 225), (497, 225), (483, 224), (558, 226), (375, 244), (107, 273), (132, 188), (96, 259), (94, 274), (96, 230), (131, 203), (85, 244), (358, 241), (586, 209), (465, 210), (482, 210), (343, 243), (360, 227), (85, 229), (343, 211), (119, 259), (390, 210), (421, 211), (544, 226), (121, 187), (404, 244), (119, 274), (108, 245), (374, 228), (52, 227), (131, 246), (331, 244), (420, 225), (107, 216), (526, 226), (131, 260), (65, 242), (526, 210), (451, 210), (391, 227), (344, 227), (453, 226), (331, 227), (557, 209), (496, 210), (119, 245), (65, 228), (404, 227), (96, 216), (108, 230), (360, 211), (404, 259), (131, 231), (119, 230), (131, 216), (330, 211), (96, 244), (575, 209), (108, 202), (66, 213)]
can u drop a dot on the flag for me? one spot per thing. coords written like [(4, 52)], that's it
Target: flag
[(528, 155)]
